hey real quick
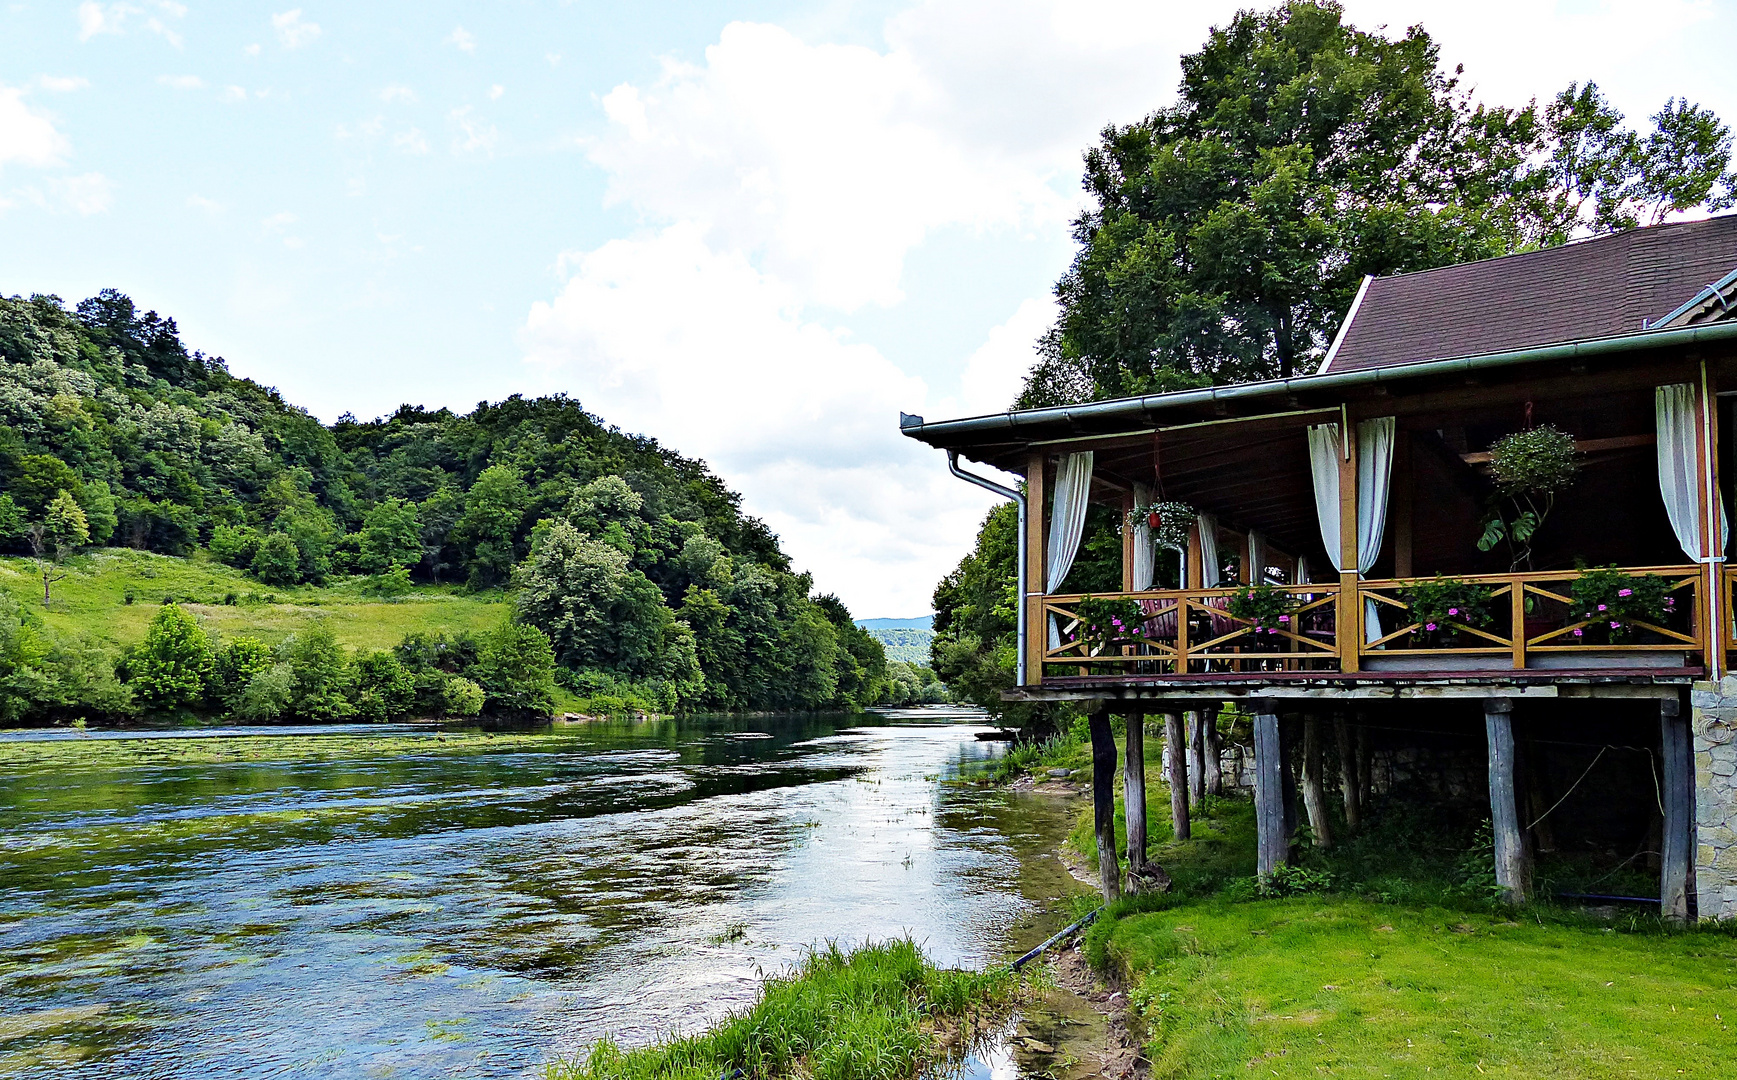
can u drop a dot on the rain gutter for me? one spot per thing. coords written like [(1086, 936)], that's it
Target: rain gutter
[(1012, 422)]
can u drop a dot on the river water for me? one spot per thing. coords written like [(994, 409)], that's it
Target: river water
[(441, 914)]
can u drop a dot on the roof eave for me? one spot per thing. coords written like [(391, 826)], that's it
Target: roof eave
[(943, 433)]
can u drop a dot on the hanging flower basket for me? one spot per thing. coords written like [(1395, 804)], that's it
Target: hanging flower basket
[(1168, 522)]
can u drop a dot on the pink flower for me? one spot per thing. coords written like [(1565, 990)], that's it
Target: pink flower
[(1578, 633), (1625, 592), (1429, 626), (1453, 611), (1670, 601), (1284, 618), (1614, 625), (1601, 607)]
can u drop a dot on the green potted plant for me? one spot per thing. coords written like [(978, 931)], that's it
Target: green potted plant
[(1612, 604), (1110, 622), (1270, 610), (1443, 606), (1529, 468)]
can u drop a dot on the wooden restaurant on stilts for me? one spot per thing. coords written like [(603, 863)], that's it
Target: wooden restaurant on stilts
[(1360, 558)]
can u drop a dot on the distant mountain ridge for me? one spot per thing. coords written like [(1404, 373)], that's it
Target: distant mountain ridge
[(905, 640)]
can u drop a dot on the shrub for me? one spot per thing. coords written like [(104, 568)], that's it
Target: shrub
[(236, 545), (1613, 604), (268, 694), (384, 689), (278, 561), (516, 665), (234, 668), (393, 582), (1443, 604), (323, 682), (461, 697), (171, 668)]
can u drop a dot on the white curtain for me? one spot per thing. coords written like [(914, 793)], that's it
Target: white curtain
[(1257, 557), (1374, 474), (1207, 526), (1067, 521), (1679, 446), (1302, 570), (1145, 571)]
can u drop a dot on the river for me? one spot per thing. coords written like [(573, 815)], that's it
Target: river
[(436, 913)]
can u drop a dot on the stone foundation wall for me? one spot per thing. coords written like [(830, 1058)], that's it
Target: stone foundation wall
[(1713, 722)]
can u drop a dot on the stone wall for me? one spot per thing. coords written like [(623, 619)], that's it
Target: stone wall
[(1714, 724)]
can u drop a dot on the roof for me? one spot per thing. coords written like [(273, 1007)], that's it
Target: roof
[(1605, 287)]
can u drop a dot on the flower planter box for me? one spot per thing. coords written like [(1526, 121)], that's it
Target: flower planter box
[(1605, 658), (1446, 662)]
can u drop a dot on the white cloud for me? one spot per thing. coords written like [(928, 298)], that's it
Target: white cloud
[(496, 91), (463, 39), (411, 142), (182, 82), (60, 85), (475, 136), (714, 356), (292, 32), (233, 93), (397, 92), (995, 373), (210, 206), (252, 50), (27, 137), (94, 19), (90, 193)]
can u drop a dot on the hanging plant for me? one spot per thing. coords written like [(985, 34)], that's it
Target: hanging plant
[(1168, 522), (1529, 468)]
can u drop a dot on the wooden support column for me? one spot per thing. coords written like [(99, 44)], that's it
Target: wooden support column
[(1289, 736), (1134, 793), (1314, 786), (1272, 849), (1348, 786), (1512, 873), (1350, 614), (1195, 573), (1104, 801), (1679, 799), (1196, 757), (1036, 627), (1717, 619), (1176, 773), (1214, 762)]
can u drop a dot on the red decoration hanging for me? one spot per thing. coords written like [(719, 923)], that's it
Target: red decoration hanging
[(1154, 520)]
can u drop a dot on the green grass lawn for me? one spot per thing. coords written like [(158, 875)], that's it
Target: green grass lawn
[(1403, 970), (92, 601)]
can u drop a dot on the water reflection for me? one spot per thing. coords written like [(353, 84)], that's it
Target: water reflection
[(470, 914)]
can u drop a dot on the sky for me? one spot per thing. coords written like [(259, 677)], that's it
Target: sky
[(755, 231)]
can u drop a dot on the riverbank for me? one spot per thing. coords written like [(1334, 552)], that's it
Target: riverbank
[(1387, 960)]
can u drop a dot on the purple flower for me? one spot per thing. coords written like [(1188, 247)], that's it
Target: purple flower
[(1670, 601), (1429, 626), (1284, 618), (1601, 607), (1453, 611), (1579, 633), (1625, 592), (1614, 625)]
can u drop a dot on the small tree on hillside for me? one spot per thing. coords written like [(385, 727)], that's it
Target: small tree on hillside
[(391, 537), (61, 530), (174, 666)]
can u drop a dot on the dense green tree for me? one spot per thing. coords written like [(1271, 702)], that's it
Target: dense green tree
[(322, 680), (1227, 233), (391, 537), (277, 560), (384, 689), (41, 477), (439, 515), (516, 667), (238, 545), (234, 668), (490, 525), (172, 668), (98, 504)]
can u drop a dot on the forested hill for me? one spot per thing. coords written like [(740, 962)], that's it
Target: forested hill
[(635, 562)]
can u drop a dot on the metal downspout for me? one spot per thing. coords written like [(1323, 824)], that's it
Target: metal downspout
[(1018, 497)]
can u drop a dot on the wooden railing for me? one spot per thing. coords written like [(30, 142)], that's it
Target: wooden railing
[(1530, 622)]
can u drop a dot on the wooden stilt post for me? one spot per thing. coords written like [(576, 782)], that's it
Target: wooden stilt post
[(1288, 773), (1134, 795), (1512, 873), (1679, 799), (1314, 786), (1104, 801), (1176, 762), (1347, 771), (1272, 850), (1214, 763), (1196, 757)]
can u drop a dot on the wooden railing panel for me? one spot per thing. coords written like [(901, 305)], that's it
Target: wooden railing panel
[(1191, 631)]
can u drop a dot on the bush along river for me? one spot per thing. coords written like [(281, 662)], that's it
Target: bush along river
[(410, 903)]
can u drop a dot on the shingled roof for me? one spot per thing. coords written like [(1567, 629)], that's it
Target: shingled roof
[(1615, 284)]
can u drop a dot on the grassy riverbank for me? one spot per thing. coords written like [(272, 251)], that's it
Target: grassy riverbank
[(882, 1012), (1389, 959), (92, 601)]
